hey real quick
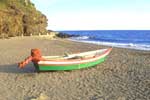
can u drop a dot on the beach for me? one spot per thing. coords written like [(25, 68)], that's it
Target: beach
[(125, 75)]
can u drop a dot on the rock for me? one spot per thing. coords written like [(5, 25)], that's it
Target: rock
[(41, 97), (121, 98), (65, 35)]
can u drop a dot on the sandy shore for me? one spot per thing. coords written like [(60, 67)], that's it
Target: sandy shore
[(125, 75)]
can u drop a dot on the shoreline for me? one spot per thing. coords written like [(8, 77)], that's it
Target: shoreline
[(54, 37), (116, 45), (123, 76)]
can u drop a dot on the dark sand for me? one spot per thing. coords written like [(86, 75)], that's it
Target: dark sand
[(125, 75)]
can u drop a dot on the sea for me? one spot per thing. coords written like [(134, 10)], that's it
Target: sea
[(132, 39)]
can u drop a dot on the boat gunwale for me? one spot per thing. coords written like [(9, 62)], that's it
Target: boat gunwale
[(105, 53)]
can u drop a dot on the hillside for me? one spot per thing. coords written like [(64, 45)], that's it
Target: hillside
[(20, 17)]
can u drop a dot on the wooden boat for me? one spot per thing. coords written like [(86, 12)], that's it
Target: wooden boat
[(67, 62)]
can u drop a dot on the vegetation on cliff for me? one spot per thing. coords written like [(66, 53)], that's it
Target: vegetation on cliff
[(20, 17)]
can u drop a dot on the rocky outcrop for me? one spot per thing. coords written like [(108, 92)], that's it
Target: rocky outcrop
[(20, 17), (65, 35)]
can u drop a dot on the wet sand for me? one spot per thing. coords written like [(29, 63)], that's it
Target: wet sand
[(125, 75)]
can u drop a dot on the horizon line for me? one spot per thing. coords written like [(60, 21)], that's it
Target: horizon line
[(104, 30)]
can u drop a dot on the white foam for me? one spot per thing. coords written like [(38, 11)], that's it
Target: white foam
[(120, 45), (80, 38)]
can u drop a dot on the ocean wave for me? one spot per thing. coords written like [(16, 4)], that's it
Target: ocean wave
[(133, 39), (111, 39), (119, 45), (81, 38)]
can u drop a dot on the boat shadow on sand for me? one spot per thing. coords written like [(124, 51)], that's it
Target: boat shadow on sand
[(12, 68)]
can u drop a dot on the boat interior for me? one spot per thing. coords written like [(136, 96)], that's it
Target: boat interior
[(83, 55)]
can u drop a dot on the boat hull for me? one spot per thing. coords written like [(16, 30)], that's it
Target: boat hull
[(49, 67)]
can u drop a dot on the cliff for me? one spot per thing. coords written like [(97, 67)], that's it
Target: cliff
[(20, 17)]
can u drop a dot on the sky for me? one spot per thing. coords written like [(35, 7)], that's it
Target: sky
[(96, 14)]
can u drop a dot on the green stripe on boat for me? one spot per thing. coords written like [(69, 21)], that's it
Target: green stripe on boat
[(71, 67)]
